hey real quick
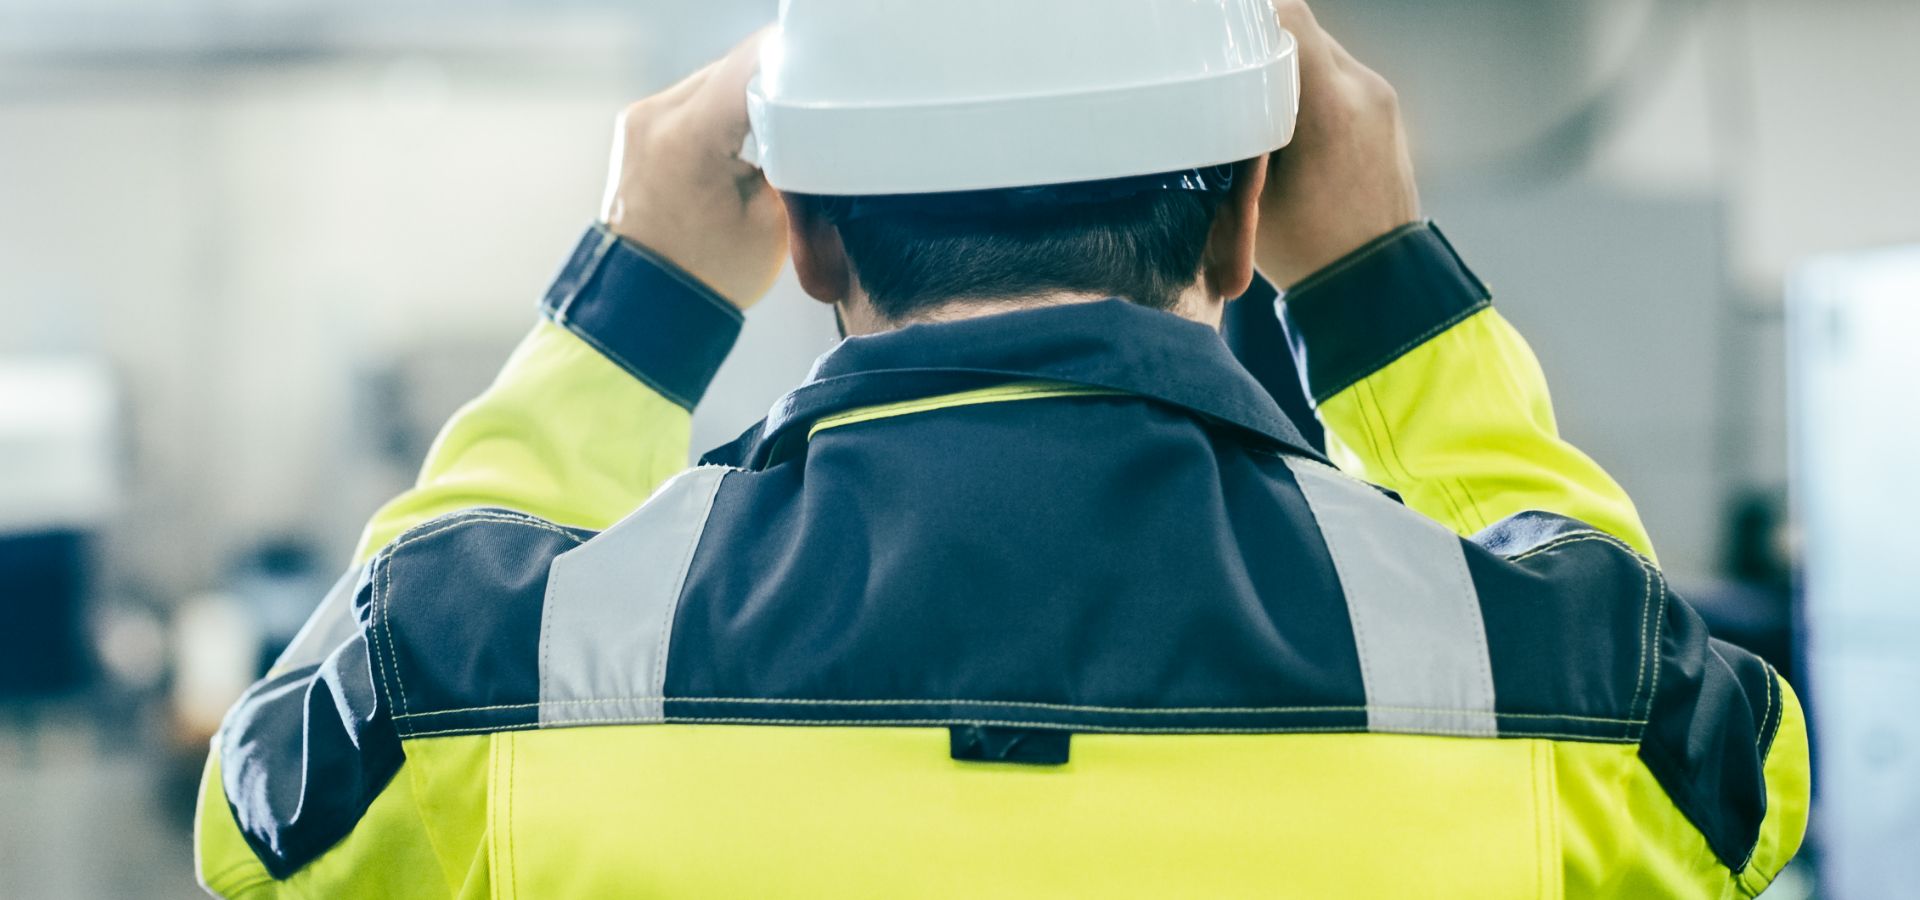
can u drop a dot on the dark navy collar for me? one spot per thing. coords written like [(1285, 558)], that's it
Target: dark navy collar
[(1111, 344)]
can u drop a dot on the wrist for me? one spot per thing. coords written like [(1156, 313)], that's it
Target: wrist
[(1358, 314), (1331, 265), (644, 313)]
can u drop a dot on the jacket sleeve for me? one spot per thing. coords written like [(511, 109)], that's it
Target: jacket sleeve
[(590, 413), (1425, 389)]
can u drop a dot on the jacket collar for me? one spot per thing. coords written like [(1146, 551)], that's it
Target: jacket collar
[(1111, 344)]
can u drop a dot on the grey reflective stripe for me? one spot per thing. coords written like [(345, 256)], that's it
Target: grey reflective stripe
[(330, 625), (1416, 616), (610, 605)]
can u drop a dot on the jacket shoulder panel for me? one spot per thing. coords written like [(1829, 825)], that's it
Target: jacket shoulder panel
[(454, 619), (1571, 616), (437, 620), (1625, 659)]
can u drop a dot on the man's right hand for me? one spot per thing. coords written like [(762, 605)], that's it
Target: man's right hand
[(679, 188), (1347, 178)]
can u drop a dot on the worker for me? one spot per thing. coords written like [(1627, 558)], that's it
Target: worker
[(1029, 589)]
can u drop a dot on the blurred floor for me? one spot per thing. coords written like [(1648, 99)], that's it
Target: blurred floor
[(89, 810)]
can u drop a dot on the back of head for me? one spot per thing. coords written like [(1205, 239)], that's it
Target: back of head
[(912, 259), (938, 138)]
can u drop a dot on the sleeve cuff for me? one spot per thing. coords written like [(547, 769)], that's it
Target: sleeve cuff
[(645, 314), (1356, 316)]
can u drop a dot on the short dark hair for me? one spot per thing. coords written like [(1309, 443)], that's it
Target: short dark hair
[(1146, 248)]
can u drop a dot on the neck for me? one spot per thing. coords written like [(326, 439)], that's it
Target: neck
[(859, 317)]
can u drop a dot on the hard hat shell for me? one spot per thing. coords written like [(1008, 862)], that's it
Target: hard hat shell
[(860, 97)]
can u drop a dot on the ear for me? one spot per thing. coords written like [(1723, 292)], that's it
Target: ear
[(1228, 264), (818, 256)]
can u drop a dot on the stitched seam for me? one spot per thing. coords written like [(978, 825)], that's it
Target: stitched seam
[(1766, 712), (383, 596), (659, 679), (589, 270), (1636, 724), (1374, 406), (1765, 795), (1539, 828), (496, 831), (1773, 684), (1685, 795), (1053, 707), (687, 279), (628, 366), (417, 776), (1480, 520), (1650, 652), (1366, 431), (1478, 615), (1577, 536), (513, 864), (1375, 364), (386, 622), (381, 665), (547, 605), (1056, 726), (1640, 673), (1550, 862), (1361, 254), (496, 516)]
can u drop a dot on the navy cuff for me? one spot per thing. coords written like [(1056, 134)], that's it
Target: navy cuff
[(1353, 318), (647, 315)]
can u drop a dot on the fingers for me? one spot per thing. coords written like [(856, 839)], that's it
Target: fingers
[(1295, 15), (1330, 77), (1297, 18), (1320, 52), (721, 99)]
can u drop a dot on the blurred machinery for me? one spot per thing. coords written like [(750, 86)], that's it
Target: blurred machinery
[(1853, 324), (56, 490)]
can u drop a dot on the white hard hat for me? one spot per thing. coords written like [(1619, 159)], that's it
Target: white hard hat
[(861, 97)]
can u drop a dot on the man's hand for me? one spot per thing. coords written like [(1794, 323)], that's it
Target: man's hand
[(678, 187), (1347, 177)]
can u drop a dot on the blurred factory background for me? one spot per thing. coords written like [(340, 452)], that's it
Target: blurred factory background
[(253, 252)]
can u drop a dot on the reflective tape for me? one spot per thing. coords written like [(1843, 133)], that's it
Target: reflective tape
[(610, 603), (1415, 613)]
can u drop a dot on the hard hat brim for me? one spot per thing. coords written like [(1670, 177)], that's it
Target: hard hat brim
[(1007, 142)]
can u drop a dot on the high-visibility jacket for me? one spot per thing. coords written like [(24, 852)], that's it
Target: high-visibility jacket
[(1048, 603)]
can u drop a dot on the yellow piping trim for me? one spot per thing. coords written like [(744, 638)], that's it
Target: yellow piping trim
[(1019, 390)]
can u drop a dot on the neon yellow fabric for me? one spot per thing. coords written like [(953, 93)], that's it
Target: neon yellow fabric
[(1621, 836), (390, 855), (562, 433), (741, 811), (1462, 428), (1789, 774)]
